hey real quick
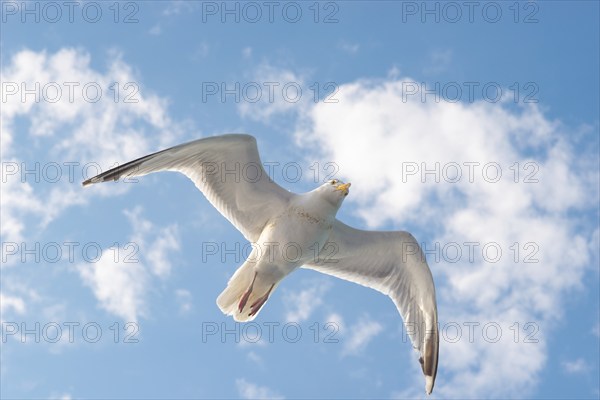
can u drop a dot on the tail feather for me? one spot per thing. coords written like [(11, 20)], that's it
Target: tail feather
[(229, 300)]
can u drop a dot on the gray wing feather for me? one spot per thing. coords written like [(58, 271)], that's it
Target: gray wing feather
[(227, 169), (393, 264)]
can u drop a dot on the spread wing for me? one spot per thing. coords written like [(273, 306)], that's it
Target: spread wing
[(227, 170), (393, 264)]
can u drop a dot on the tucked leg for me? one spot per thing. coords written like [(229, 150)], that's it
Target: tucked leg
[(259, 302), (246, 295)]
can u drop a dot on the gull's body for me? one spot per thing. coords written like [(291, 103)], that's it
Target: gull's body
[(289, 240), (290, 230)]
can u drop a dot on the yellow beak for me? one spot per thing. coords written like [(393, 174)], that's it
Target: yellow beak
[(344, 188)]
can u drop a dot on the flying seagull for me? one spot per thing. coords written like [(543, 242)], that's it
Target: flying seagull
[(272, 218)]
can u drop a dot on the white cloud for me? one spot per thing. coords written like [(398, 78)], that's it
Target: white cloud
[(184, 298), (248, 390), (166, 240), (251, 341), (393, 73), (176, 7), (65, 124), (355, 337), (351, 48), (337, 320), (282, 91), (99, 126), (255, 358), (158, 253), (575, 366), (376, 123), (64, 396), (156, 30), (17, 298), (7, 303), (201, 51), (119, 286), (16, 199), (360, 334), (439, 61), (247, 52), (596, 329), (121, 277), (300, 305)]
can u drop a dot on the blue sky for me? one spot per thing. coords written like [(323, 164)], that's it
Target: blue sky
[(116, 284)]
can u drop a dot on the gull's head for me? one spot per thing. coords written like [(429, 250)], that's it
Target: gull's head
[(339, 186), (334, 191)]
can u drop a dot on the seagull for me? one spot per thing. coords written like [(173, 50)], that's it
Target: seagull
[(305, 225)]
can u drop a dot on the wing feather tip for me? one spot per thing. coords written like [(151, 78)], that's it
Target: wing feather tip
[(429, 360), (429, 381), (89, 182)]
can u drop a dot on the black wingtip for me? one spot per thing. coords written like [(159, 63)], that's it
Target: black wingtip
[(95, 179)]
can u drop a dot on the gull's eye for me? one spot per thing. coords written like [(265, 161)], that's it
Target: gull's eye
[(333, 181)]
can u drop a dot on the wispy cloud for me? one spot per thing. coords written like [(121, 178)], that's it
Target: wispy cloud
[(575, 366), (282, 91), (247, 52), (63, 396), (120, 283), (596, 329), (158, 252), (156, 30), (360, 334), (89, 130), (176, 7), (97, 129), (16, 304), (439, 61), (118, 286), (336, 319), (201, 50), (357, 336), (184, 299), (301, 304), (249, 390), (350, 48), (255, 358)]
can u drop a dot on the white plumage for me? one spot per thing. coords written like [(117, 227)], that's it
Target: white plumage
[(273, 219)]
